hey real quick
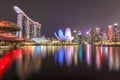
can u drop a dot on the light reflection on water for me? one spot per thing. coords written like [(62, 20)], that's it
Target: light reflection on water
[(74, 55), (88, 54), (30, 58), (65, 54)]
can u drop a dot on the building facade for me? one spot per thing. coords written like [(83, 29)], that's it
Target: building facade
[(29, 28)]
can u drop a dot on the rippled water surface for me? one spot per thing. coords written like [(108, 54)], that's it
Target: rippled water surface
[(60, 62)]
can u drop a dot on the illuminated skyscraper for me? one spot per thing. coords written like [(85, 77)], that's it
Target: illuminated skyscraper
[(116, 31), (29, 28), (110, 33)]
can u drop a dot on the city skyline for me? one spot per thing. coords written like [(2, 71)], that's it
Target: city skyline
[(53, 14)]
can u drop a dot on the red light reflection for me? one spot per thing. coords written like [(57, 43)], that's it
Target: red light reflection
[(7, 59), (99, 58)]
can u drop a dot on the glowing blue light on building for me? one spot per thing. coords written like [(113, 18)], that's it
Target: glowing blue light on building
[(40, 39), (63, 37)]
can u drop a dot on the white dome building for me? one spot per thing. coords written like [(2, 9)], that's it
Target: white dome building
[(67, 37)]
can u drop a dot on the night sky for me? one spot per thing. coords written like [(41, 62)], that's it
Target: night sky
[(55, 14)]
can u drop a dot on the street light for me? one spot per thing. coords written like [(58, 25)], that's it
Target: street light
[(87, 32), (115, 24), (74, 31), (87, 38)]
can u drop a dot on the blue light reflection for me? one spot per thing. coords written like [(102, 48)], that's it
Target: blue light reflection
[(81, 52)]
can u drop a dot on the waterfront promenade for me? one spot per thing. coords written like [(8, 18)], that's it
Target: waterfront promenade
[(107, 43)]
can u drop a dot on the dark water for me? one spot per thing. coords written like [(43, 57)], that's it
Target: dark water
[(61, 63)]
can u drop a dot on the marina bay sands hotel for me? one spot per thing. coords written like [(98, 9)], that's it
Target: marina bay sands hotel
[(29, 28)]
